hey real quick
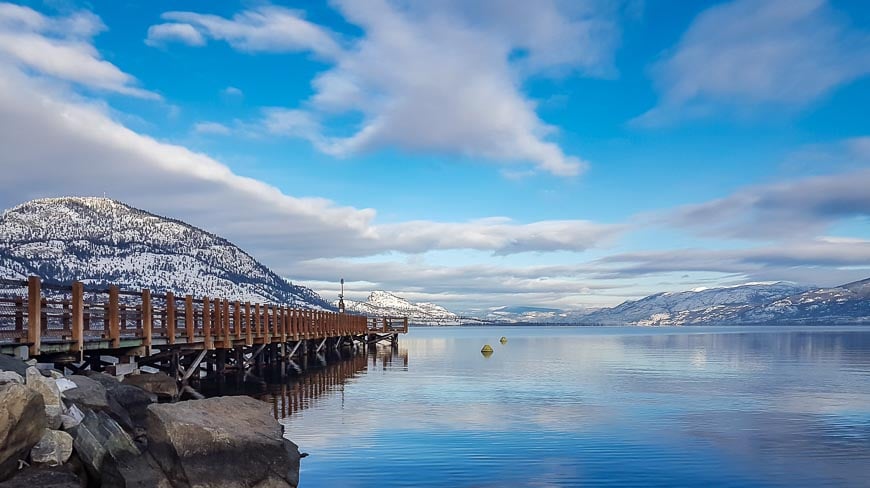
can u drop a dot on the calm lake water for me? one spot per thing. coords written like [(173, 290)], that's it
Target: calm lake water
[(590, 406)]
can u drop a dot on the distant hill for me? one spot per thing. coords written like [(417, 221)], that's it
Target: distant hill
[(103, 241), (382, 303)]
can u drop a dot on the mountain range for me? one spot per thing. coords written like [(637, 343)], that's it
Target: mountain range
[(100, 241)]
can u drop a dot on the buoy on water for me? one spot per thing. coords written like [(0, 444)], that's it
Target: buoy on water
[(486, 351), (503, 340)]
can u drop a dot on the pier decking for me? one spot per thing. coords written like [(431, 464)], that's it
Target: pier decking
[(79, 324)]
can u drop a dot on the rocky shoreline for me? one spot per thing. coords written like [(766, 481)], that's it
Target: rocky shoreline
[(93, 430)]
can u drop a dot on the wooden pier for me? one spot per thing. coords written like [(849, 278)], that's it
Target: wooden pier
[(78, 326)]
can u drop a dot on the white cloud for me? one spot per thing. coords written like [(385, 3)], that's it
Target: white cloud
[(748, 52), (262, 29), (61, 48), (91, 154), (786, 210), (233, 91), (211, 128), (163, 33), (442, 77)]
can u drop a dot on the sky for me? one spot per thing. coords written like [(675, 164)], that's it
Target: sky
[(475, 154)]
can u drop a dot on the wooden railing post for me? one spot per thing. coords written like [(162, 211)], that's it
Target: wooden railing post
[(114, 317), (189, 319), (206, 323), (146, 318), (285, 317), (406, 325), (237, 318), (169, 326), (78, 316), (258, 333), (249, 333), (34, 314), (226, 316)]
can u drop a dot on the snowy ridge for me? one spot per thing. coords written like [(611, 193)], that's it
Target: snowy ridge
[(382, 303), (103, 241)]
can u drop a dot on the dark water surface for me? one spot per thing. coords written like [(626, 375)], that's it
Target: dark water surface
[(590, 407)]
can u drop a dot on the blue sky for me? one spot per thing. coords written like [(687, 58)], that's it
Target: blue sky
[(473, 154)]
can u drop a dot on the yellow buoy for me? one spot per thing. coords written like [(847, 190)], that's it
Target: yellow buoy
[(486, 351), (503, 340)]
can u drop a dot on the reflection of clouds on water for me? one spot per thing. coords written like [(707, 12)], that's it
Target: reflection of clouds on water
[(765, 407)]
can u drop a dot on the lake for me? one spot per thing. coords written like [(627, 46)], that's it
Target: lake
[(602, 406)]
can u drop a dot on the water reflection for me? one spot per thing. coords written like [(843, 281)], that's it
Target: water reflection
[(598, 407), (298, 384)]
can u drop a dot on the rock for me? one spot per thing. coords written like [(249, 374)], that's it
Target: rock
[(158, 383), (72, 417), (22, 423), (9, 363), (100, 443), (108, 381), (134, 471), (11, 377), (134, 400), (89, 394), (50, 395), (53, 449), (218, 442), (44, 477), (64, 384)]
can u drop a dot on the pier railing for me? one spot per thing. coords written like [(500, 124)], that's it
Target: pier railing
[(33, 312)]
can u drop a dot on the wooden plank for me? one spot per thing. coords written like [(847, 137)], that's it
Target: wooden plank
[(146, 318), (228, 339), (285, 317), (189, 319), (34, 314), (237, 318), (170, 318), (249, 333), (114, 317), (258, 333), (78, 316), (206, 323)]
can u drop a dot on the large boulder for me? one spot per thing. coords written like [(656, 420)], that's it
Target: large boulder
[(9, 363), (22, 423), (159, 384), (44, 477), (221, 442), (90, 394), (47, 387), (112, 458), (11, 377), (134, 400), (53, 449)]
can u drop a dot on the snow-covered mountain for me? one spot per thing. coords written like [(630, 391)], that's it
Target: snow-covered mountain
[(102, 241), (382, 303), (531, 315), (752, 303)]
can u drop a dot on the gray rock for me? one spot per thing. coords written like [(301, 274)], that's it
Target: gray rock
[(220, 442), (158, 383), (134, 400), (100, 443), (50, 395), (72, 417), (11, 377), (53, 449), (108, 381), (9, 363), (22, 423), (44, 477), (90, 394), (111, 458)]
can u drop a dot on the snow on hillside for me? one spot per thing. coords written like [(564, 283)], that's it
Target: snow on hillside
[(382, 303), (102, 241)]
